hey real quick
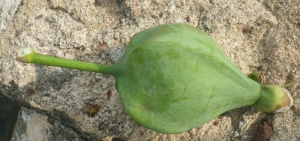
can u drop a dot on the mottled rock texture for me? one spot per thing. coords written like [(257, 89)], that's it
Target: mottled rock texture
[(256, 35)]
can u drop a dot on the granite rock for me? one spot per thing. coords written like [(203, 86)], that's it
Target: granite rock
[(255, 35)]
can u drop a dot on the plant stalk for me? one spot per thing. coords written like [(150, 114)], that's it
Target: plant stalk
[(28, 55)]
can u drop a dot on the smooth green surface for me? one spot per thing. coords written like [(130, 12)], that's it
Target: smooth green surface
[(174, 77), (72, 64), (179, 78), (28, 55)]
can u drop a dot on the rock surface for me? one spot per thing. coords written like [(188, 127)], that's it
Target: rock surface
[(8, 9), (32, 126), (255, 35)]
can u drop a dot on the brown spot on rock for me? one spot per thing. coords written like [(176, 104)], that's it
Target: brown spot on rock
[(30, 91), (263, 132), (109, 94), (92, 109)]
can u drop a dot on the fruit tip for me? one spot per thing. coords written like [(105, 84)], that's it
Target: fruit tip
[(287, 101)]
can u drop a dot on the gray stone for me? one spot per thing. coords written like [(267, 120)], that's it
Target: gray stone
[(8, 9), (255, 35), (32, 126)]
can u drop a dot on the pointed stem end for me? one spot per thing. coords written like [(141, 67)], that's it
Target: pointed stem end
[(25, 55)]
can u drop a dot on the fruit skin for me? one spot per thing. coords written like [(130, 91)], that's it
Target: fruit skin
[(174, 77)]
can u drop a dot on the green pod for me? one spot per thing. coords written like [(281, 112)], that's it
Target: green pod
[(174, 77)]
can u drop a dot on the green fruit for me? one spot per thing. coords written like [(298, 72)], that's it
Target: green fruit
[(174, 77)]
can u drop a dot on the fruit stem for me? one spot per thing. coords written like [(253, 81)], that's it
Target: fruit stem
[(27, 55)]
